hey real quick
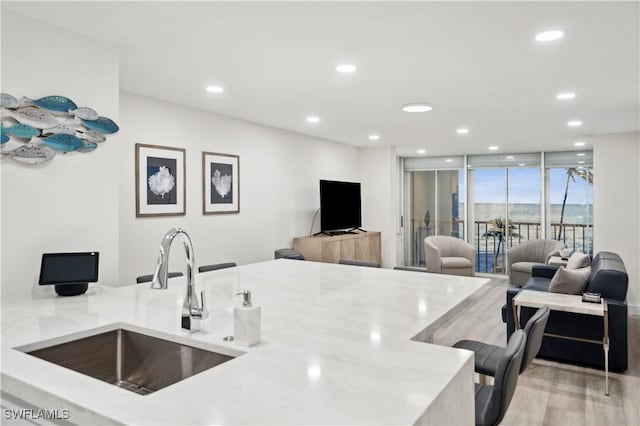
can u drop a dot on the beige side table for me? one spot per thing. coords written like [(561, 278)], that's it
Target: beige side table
[(567, 303), (557, 261)]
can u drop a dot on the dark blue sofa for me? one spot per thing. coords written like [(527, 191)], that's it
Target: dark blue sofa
[(608, 277)]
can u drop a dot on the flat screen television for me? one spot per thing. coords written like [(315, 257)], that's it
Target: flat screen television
[(69, 272), (340, 205)]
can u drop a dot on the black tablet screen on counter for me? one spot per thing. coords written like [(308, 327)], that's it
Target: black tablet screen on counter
[(60, 268)]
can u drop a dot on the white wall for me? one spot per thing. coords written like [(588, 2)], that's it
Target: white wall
[(279, 174), (378, 173), (616, 194), (87, 202), (70, 203)]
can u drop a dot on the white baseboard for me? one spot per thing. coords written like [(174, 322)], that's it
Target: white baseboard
[(633, 309)]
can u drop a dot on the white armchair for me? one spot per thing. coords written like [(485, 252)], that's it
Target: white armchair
[(522, 258), (449, 255)]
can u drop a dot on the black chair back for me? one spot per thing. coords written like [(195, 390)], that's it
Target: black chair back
[(534, 329), (359, 263), (507, 374), (216, 266), (287, 253), (147, 278), (412, 269)]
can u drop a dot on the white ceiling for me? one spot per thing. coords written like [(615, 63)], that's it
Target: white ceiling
[(476, 63)]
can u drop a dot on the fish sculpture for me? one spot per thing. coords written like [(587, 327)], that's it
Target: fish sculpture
[(87, 147), (10, 145), (91, 136), (60, 128), (103, 125), (34, 117), (32, 153), (56, 124), (84, 113), (21, 131), (53, 103), (63, 142), (8, 101)]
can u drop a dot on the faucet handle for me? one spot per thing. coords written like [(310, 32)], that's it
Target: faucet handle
[(203, 300), (155, 282)]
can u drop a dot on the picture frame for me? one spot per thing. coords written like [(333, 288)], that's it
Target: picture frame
[(160, 181), (220, 183)]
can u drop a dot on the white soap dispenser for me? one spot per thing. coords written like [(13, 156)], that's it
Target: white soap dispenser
[(246, 322)]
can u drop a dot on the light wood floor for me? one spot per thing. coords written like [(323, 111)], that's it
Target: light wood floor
[(552, 393)]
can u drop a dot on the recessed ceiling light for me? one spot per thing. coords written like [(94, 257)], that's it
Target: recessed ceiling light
[(449, 160), (521, 164), (462, 131), (374, 137), (421, 151), (565, 95), (493, 148), (313, 119), (578, 143), (417, 108), (580, 162), (215, 89), (509, 157), (574, 123), (580, 154), (551, 35), (346, 68)]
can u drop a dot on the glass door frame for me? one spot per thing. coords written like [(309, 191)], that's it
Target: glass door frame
[(409, 251), (469, 213)]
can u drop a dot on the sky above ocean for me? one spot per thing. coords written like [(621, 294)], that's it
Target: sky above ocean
[(524, 186)]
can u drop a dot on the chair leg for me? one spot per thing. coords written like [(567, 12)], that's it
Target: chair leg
[(485, 380)]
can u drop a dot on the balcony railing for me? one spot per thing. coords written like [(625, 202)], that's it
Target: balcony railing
[(491, 245)]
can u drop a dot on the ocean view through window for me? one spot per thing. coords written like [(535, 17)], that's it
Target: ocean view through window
[(511, 199)]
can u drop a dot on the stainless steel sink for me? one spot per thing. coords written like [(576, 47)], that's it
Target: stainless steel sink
[(137, 362)]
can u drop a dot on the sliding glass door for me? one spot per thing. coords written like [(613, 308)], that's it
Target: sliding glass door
[(434, 203), (423, 213), (569, 181), (511, 199), (490, 214), (506, 207)]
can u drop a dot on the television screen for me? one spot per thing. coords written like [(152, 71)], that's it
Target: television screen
[(69, 268), (339, 205)]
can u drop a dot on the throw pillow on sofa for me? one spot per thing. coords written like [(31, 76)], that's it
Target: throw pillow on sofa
[(570, 281), (578, 260)]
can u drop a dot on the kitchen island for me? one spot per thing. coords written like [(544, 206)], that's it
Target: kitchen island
[(340, 345)]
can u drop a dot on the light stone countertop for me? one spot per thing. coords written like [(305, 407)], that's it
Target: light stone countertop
[(336, 349)]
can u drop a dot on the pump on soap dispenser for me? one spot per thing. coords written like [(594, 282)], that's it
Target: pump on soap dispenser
[(246, 321)]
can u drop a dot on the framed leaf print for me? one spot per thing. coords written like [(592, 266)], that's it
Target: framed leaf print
[(160, 181), (221, 183)]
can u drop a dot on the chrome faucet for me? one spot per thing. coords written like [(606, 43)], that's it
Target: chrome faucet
[(192, 312)]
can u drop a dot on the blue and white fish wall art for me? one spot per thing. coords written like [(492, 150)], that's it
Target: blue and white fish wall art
[(33, 130)]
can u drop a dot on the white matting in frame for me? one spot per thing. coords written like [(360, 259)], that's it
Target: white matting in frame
[(221, 183), (160, 181)]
